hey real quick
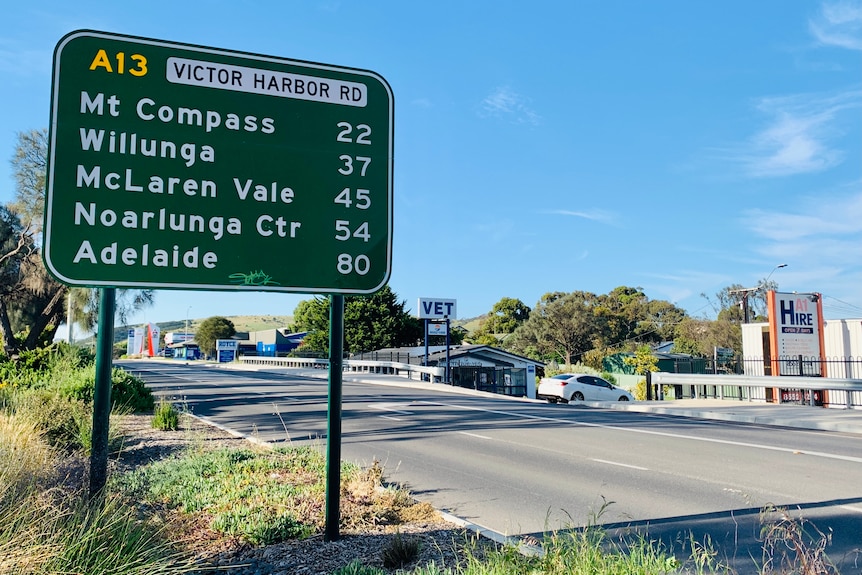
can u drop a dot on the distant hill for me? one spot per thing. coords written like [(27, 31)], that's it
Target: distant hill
[(257, 323), (240, 322), (470, 324)]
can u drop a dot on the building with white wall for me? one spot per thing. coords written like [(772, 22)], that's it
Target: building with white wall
[(841, 357)]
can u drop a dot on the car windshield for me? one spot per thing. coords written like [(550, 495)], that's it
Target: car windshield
[(562, 376)]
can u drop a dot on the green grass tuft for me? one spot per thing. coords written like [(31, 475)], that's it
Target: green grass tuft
[(401, 551), (166, 416)]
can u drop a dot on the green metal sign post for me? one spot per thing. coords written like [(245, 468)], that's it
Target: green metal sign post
[(186, 167), (102, 393)]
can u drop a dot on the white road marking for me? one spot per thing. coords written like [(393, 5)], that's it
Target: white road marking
[(474, 435), (391, 407), (851, 508), (650, 432), (617, 463), (390, 417)]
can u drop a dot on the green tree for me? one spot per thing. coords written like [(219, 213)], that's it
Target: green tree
[(312, 315), (211, 329), (481, 336), (643, 360), (370, 322), (562, 326), (85, 305), (700, 337), (506, 315), (32, 303), (632, 318)]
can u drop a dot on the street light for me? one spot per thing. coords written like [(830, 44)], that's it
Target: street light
[(779, 266)]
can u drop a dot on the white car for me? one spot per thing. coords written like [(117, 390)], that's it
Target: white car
[(567, 387)]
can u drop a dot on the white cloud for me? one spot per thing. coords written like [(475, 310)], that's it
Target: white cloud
[(821, 240), (596, 215), (799, 136), (839, 24), (822, 218), (684, 285), (503, 102)]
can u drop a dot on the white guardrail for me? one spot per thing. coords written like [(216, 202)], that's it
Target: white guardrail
[(846, 392), (433, 374)]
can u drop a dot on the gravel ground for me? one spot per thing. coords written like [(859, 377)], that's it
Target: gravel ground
[(441, 542)]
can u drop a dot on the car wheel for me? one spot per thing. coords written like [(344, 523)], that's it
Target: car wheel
[(623, 398), (578, 396)]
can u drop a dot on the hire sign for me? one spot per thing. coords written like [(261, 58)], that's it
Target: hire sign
[(796, 329), (178, 166)]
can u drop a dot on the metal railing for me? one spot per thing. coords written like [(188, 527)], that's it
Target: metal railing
[(410, 371), (846, 367), (824, 391), (499, 380)]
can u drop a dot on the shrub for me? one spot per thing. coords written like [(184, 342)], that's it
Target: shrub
[(129, 392), (66, 422), (166, 417), (563, 368)]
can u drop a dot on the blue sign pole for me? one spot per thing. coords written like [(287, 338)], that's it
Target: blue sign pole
[(448, 342), (425, 361)]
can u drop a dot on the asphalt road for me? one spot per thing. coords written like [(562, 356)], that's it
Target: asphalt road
[(521, 467)]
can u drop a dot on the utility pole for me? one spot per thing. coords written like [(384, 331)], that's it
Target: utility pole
[(746, 293), (746, 315)]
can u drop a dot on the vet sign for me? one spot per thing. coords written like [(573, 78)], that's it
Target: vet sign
[(433, 308), (180, 166)]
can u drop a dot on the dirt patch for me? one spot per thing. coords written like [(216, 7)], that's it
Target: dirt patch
[(441, 542)]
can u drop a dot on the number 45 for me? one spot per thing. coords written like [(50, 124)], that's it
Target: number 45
[(362, 198)]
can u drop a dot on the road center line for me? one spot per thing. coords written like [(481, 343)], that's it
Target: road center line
[(639, 468), (474, 435), (649, 432)]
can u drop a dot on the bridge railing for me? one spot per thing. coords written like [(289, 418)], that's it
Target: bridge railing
[(408, 370)]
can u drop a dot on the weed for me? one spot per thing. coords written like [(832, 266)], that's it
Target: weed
[(166, 416), (401, 551), (793, 545)]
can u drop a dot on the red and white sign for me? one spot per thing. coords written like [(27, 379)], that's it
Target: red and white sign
[(796, 329)]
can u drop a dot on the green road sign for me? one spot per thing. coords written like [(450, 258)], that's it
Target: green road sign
[(178, 166)]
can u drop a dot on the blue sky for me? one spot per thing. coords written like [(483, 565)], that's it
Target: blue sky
[(555, 146)]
